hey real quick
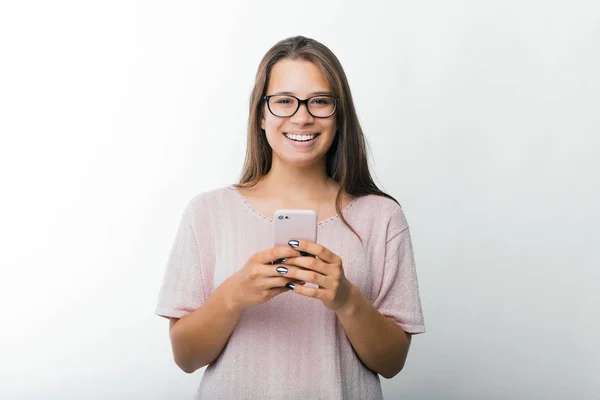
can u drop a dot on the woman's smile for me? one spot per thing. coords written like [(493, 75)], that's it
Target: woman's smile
[(301, 137), (302, 141)]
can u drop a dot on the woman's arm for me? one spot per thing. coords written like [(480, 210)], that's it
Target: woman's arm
[(380, 344), (198, 338)]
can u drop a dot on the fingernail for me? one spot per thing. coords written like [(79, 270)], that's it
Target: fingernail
[(282, 270), (281, 260), (290, 286), (305, 254), (294, 243)]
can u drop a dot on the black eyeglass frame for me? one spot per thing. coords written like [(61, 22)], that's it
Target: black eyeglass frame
[(300, 102)]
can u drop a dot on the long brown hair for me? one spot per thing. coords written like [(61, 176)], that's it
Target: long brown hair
[(347, 157)]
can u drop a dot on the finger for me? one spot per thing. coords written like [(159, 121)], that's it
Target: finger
[(314, 249), (275, 292), (286, 259), (278, 282), (304, 275), (307, 291), (313, 264), (262, 273), (282, 270), (275, 253)]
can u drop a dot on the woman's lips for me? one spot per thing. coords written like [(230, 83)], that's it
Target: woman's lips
[(302, 144), (300, 137)]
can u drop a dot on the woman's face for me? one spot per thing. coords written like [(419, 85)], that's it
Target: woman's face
[(291, 138)]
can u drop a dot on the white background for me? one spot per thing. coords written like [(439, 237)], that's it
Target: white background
[(483, 119)]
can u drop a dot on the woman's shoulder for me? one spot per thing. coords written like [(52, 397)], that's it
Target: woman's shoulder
[(381, 211), (218, 194), (383, 205), (210, 199)]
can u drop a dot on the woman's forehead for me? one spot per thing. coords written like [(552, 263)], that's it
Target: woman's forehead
[(300, 78)]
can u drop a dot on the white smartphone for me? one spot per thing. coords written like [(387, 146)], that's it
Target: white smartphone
[(295, 224)]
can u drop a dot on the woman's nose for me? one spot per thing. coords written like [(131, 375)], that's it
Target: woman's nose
[(302, 115)]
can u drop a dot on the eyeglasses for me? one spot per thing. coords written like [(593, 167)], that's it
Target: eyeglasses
[(283, 106)]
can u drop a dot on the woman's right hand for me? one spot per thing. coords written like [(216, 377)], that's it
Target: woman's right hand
[(258, 280)]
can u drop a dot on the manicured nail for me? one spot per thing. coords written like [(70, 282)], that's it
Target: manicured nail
[(281, 260), (294, 243), (282, 270), (290, 286), (305, 254)]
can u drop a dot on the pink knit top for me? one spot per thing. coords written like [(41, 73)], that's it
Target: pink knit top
[(290, 347)]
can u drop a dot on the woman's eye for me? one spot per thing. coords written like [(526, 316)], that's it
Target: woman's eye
[(321, 101)]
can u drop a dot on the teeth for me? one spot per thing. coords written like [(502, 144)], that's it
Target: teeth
[(300, 138)]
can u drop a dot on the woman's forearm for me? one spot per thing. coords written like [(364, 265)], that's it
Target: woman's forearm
[(380, 344), (198, 338)]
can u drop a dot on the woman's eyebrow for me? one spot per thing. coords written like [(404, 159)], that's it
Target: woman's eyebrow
[(311, 94)]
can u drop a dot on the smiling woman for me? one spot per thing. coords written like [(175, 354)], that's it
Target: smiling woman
[(238, 304)]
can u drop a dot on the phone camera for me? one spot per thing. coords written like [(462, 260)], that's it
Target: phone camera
[(287, 217), (281, 217)]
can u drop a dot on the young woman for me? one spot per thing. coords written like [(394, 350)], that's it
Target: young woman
[(239, 305)]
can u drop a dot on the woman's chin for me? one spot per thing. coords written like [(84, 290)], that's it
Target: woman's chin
[(300, 160)]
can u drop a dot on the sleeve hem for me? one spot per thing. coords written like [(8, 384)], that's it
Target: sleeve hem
[(170, 313), (413, 329)]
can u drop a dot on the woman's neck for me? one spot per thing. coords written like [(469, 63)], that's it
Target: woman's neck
[(302, 182)]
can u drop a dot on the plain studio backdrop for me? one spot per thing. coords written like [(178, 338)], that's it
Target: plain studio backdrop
[(483, 119)]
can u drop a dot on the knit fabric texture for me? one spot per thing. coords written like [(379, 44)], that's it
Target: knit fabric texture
[(292, 346)]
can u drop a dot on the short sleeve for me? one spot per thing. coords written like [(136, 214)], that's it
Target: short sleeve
[(398, 298), (182, 289)]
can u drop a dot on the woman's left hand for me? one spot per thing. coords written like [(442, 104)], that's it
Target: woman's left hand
[(326, 271)]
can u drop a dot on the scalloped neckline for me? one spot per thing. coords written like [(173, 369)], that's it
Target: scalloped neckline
[(260, 214)]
